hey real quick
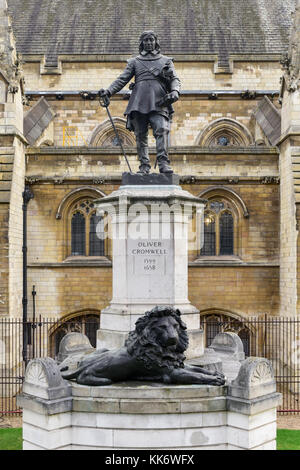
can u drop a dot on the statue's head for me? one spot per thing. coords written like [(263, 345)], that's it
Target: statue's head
[(149, 42)]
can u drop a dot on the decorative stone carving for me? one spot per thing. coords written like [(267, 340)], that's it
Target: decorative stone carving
[(36, 375), (255, 379), (270, 180), (43, 380), (233, 180), (31, 180), (74, 343), (230, 344), (98, 181), (262, 374), (249, 95)]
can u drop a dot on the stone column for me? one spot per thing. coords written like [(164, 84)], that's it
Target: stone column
[(150, 258)]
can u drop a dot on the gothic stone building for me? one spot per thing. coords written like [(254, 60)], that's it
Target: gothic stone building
[(234, 141)]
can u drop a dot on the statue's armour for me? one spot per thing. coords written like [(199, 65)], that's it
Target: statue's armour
[(149, 89)]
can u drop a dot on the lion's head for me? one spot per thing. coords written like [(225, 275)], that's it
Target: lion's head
[(159, 339)]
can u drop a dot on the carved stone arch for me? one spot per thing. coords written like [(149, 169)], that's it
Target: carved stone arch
[(104, 136), (232, 196), (78, 193), (220, 311), (235, 133)]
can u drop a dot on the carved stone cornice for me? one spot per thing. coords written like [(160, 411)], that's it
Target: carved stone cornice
[(10, 61), (270, 180)]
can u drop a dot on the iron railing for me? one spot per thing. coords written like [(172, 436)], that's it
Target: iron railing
[(276, 338), (43, 338)]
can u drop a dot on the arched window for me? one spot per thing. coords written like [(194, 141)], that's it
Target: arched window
[(224, 132), (104, 136), (84, 233), (215, 323), (219, 229), (87, 230)]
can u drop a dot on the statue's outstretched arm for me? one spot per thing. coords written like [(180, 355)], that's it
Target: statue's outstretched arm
[(122, 80)]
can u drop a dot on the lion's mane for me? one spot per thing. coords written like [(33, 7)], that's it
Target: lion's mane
[(142, 343)]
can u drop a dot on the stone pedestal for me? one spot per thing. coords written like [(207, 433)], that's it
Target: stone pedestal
[(149, 225), (135, 415)]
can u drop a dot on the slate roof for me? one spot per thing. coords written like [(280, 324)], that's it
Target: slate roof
[(222, 27)]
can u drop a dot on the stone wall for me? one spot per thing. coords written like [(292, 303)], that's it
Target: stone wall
[(193, 75), (192, 115), (246, 291), (62, 291), (249, 289)]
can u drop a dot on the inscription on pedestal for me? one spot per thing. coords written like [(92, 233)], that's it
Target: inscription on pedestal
[(149, 257)]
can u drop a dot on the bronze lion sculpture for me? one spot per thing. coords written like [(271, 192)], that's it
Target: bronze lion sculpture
[(154, 352)]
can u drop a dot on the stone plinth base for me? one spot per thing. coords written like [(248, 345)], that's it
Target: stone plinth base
[(62, 415), (151, 230), (143, 416), (150, 179)]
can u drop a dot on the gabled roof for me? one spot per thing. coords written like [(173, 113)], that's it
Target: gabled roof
[(222, 27)]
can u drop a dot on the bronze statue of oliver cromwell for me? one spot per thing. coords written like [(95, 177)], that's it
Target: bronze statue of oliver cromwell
[(156, 88)]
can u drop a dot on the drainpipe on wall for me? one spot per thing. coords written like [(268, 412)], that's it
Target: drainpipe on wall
[(27, 195)]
